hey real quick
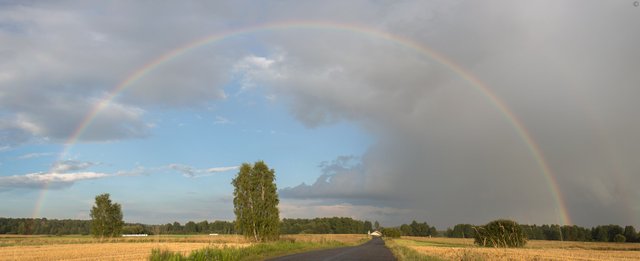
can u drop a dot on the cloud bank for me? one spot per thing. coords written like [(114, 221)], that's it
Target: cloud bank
[(443, 152)]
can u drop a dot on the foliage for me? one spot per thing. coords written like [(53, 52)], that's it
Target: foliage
[(619, 238), (461, 231), (333, 225), (557, 232), (256, 202), (43, 226), (391, 232), (133, 229), (106, 217), (418, 229), (604, 233), (500, 233), (253, 252), (367, 226), (165, 255), (630, 234), (202, 227)]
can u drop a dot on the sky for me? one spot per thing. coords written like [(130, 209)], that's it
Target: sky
[(440, 111)]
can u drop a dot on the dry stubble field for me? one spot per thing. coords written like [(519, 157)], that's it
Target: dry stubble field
[(88, 248), (464, 249)]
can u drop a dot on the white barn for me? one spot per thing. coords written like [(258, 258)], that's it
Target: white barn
[(374, 233)]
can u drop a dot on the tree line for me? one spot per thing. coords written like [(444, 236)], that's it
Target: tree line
[(333, 225), (43, 226), (414, 229), (603, 233)]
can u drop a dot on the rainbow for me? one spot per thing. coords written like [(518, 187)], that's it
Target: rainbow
[(478, 85)]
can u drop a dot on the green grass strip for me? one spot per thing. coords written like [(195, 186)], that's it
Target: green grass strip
[(405, 253)]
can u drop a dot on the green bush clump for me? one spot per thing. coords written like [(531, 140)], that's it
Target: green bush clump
[(619, 238), (500, 233), (391, 232)]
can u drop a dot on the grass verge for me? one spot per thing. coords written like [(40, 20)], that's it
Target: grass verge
[(259, 251), (405, 253)]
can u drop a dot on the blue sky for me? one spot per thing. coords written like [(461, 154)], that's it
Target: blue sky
[(357, 124), (245, 127)]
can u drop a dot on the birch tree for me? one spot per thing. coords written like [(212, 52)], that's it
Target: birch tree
[(106, 217), (256, 202)]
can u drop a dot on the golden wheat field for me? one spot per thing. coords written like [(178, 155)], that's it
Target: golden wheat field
[(88, 248), (464, 249)]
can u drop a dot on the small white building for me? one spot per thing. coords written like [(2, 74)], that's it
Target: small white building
[(374, 233), (135, 235)]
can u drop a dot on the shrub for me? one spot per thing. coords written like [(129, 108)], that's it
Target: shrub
[(619, 238), (500, 233), (391, 232)]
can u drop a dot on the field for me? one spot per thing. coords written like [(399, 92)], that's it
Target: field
[(88, 248), (464, 249)]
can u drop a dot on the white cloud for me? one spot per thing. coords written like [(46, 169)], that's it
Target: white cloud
[(47, 180), (221, 120), (191, 172), (62, 60), (255, 69), (71, 165), (222, 169), (35, 155), (137, 171)]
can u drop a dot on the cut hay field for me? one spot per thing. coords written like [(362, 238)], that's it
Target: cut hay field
[(88, 248), (464, 249)]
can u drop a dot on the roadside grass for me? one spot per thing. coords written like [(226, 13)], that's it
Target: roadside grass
[(258, 251), (438, 244), (402, 252)]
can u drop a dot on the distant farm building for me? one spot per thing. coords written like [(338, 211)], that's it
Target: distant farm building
[(375, 234)]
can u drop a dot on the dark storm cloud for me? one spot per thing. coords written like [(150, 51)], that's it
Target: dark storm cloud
[(443, 146)]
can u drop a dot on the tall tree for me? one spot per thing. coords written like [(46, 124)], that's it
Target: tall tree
[(256, 202), (106, 217), (630, 234), (367, 226)]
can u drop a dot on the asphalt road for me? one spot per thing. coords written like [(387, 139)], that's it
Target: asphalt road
[(374, 250)]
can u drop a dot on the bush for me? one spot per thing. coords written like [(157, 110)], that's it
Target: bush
[(500, 233), (619, 238), (391, 232)]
